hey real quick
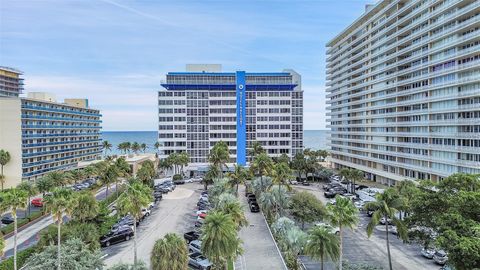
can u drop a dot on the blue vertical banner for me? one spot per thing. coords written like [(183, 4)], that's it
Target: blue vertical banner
[(241, 119)]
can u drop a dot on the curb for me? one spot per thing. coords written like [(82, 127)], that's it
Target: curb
[(275, 242)]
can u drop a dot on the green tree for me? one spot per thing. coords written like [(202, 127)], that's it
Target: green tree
[(135, 147), (219, 156), (107, 146), (220, 241), (292, 244), (57, 178), (183, 160), (322, 244), (13, 200), (169, 252), (140, 265), (143, 147), (387, 205), (86, 207), (60, 203), (261, 184), (77, 175), (305, 207), (109, 175), (213, 173), (311, 162), (344, 215), (135, 197), (256, 149), (281, 175), (407, 191), (262, 165), (4, 159), (146, 173), (451, 208), (299, 164), (355, 175), (229, 204), (237, 177), (323, 154), (156, 145), (44, 185), (75, 254), (31, 190)]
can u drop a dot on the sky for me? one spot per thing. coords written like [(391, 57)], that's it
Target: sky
[(115, 53)]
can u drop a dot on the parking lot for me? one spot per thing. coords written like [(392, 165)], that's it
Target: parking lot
[(358, 248), (173, 214)]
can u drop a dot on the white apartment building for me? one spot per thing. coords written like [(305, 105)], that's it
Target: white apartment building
[(43, 135), (204, 105), (403, 84), (11, 84)]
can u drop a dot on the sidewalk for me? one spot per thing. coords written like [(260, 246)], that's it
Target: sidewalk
[(260, 251)]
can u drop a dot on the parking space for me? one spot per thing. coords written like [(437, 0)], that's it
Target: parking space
[(173, 214), (359, 248)]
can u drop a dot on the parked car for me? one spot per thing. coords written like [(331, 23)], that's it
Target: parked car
[(179, 182), (427, 253), (305, 183), (254, 208), (251, 197), (7, 220), (294, 182), (335, 230), (331, 193), (204, 206), (199, 262), (145, 213), (123, 233), (440, 257), (199, 223), (37, 202), (191, 236), (195, 246), (189, 180), (384, 221)]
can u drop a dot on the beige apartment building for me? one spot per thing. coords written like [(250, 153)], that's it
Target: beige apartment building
[(43, 135), (403, 84)]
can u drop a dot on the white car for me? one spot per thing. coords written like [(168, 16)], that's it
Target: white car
[(427, 253), (440, 257), (294, 182), (189, 180), (333, 229), (146, 212)]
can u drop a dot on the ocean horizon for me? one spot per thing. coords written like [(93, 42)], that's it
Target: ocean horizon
[(313, 139)]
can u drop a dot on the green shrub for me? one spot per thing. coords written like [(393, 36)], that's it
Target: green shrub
[(177, 177), (22, 257), (21, 221)]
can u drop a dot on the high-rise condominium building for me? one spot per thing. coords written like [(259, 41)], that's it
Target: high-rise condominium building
[(11, 84), (404, 90), (43, 135), (202, 106)]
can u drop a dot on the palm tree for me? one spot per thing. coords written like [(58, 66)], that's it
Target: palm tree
[(262, 165), (387, 205), (219, 156), (282, 200), (293, 243), (128, 147), (30, 189), (108, 176), (345, 174), (86, 207), (213, 173), (107, 146), (298, 163), (267, 202), (135, 147), (12, 200), (90, 171), (232, 207), (220, 241), (407, 191), (131, 202), (183, 160), (122, 147), (60, 203), (256, 149), (4, 159), (143, 146), (343, 214), (170, 252), (238, 176), (355, 175), (76, 175), (322, 244), (58, 178)]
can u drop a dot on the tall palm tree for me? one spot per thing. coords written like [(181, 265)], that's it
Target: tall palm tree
[(143, 146), (107, 146), (183, 160), (219, 156), (238, 176), (77, 175), (256, 149), (108, 176), (407, 191), (4, 159), (60, 203), (58, 178), (234, 208), (170, 252), (86, 207), (298, 163), (281, 175), (345, 174), (13, 200), (262, 165), (387, 205), (268, 203), (220, 241), (30, 189), (322, 244), (213, 173), (343, 214), (122, 147), (131, 202), (355, 175), (135, 147), (282, 200), (128, 147)]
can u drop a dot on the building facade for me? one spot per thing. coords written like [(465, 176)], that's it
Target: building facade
[(203, 106), (403, 90), (11, 84), (43, 135)]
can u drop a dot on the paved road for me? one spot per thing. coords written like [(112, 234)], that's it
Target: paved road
[(174, 214), (260, 251), (28, 236), (358, 248)]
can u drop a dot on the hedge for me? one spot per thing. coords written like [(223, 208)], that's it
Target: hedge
[(22, 257), (20, 222)]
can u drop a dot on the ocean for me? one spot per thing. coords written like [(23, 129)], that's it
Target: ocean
[(314, 139)]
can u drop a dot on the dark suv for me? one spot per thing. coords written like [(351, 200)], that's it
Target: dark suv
[(123, 233), (331, 193)]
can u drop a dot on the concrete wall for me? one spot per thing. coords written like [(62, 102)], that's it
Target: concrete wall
[(11, 139)]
